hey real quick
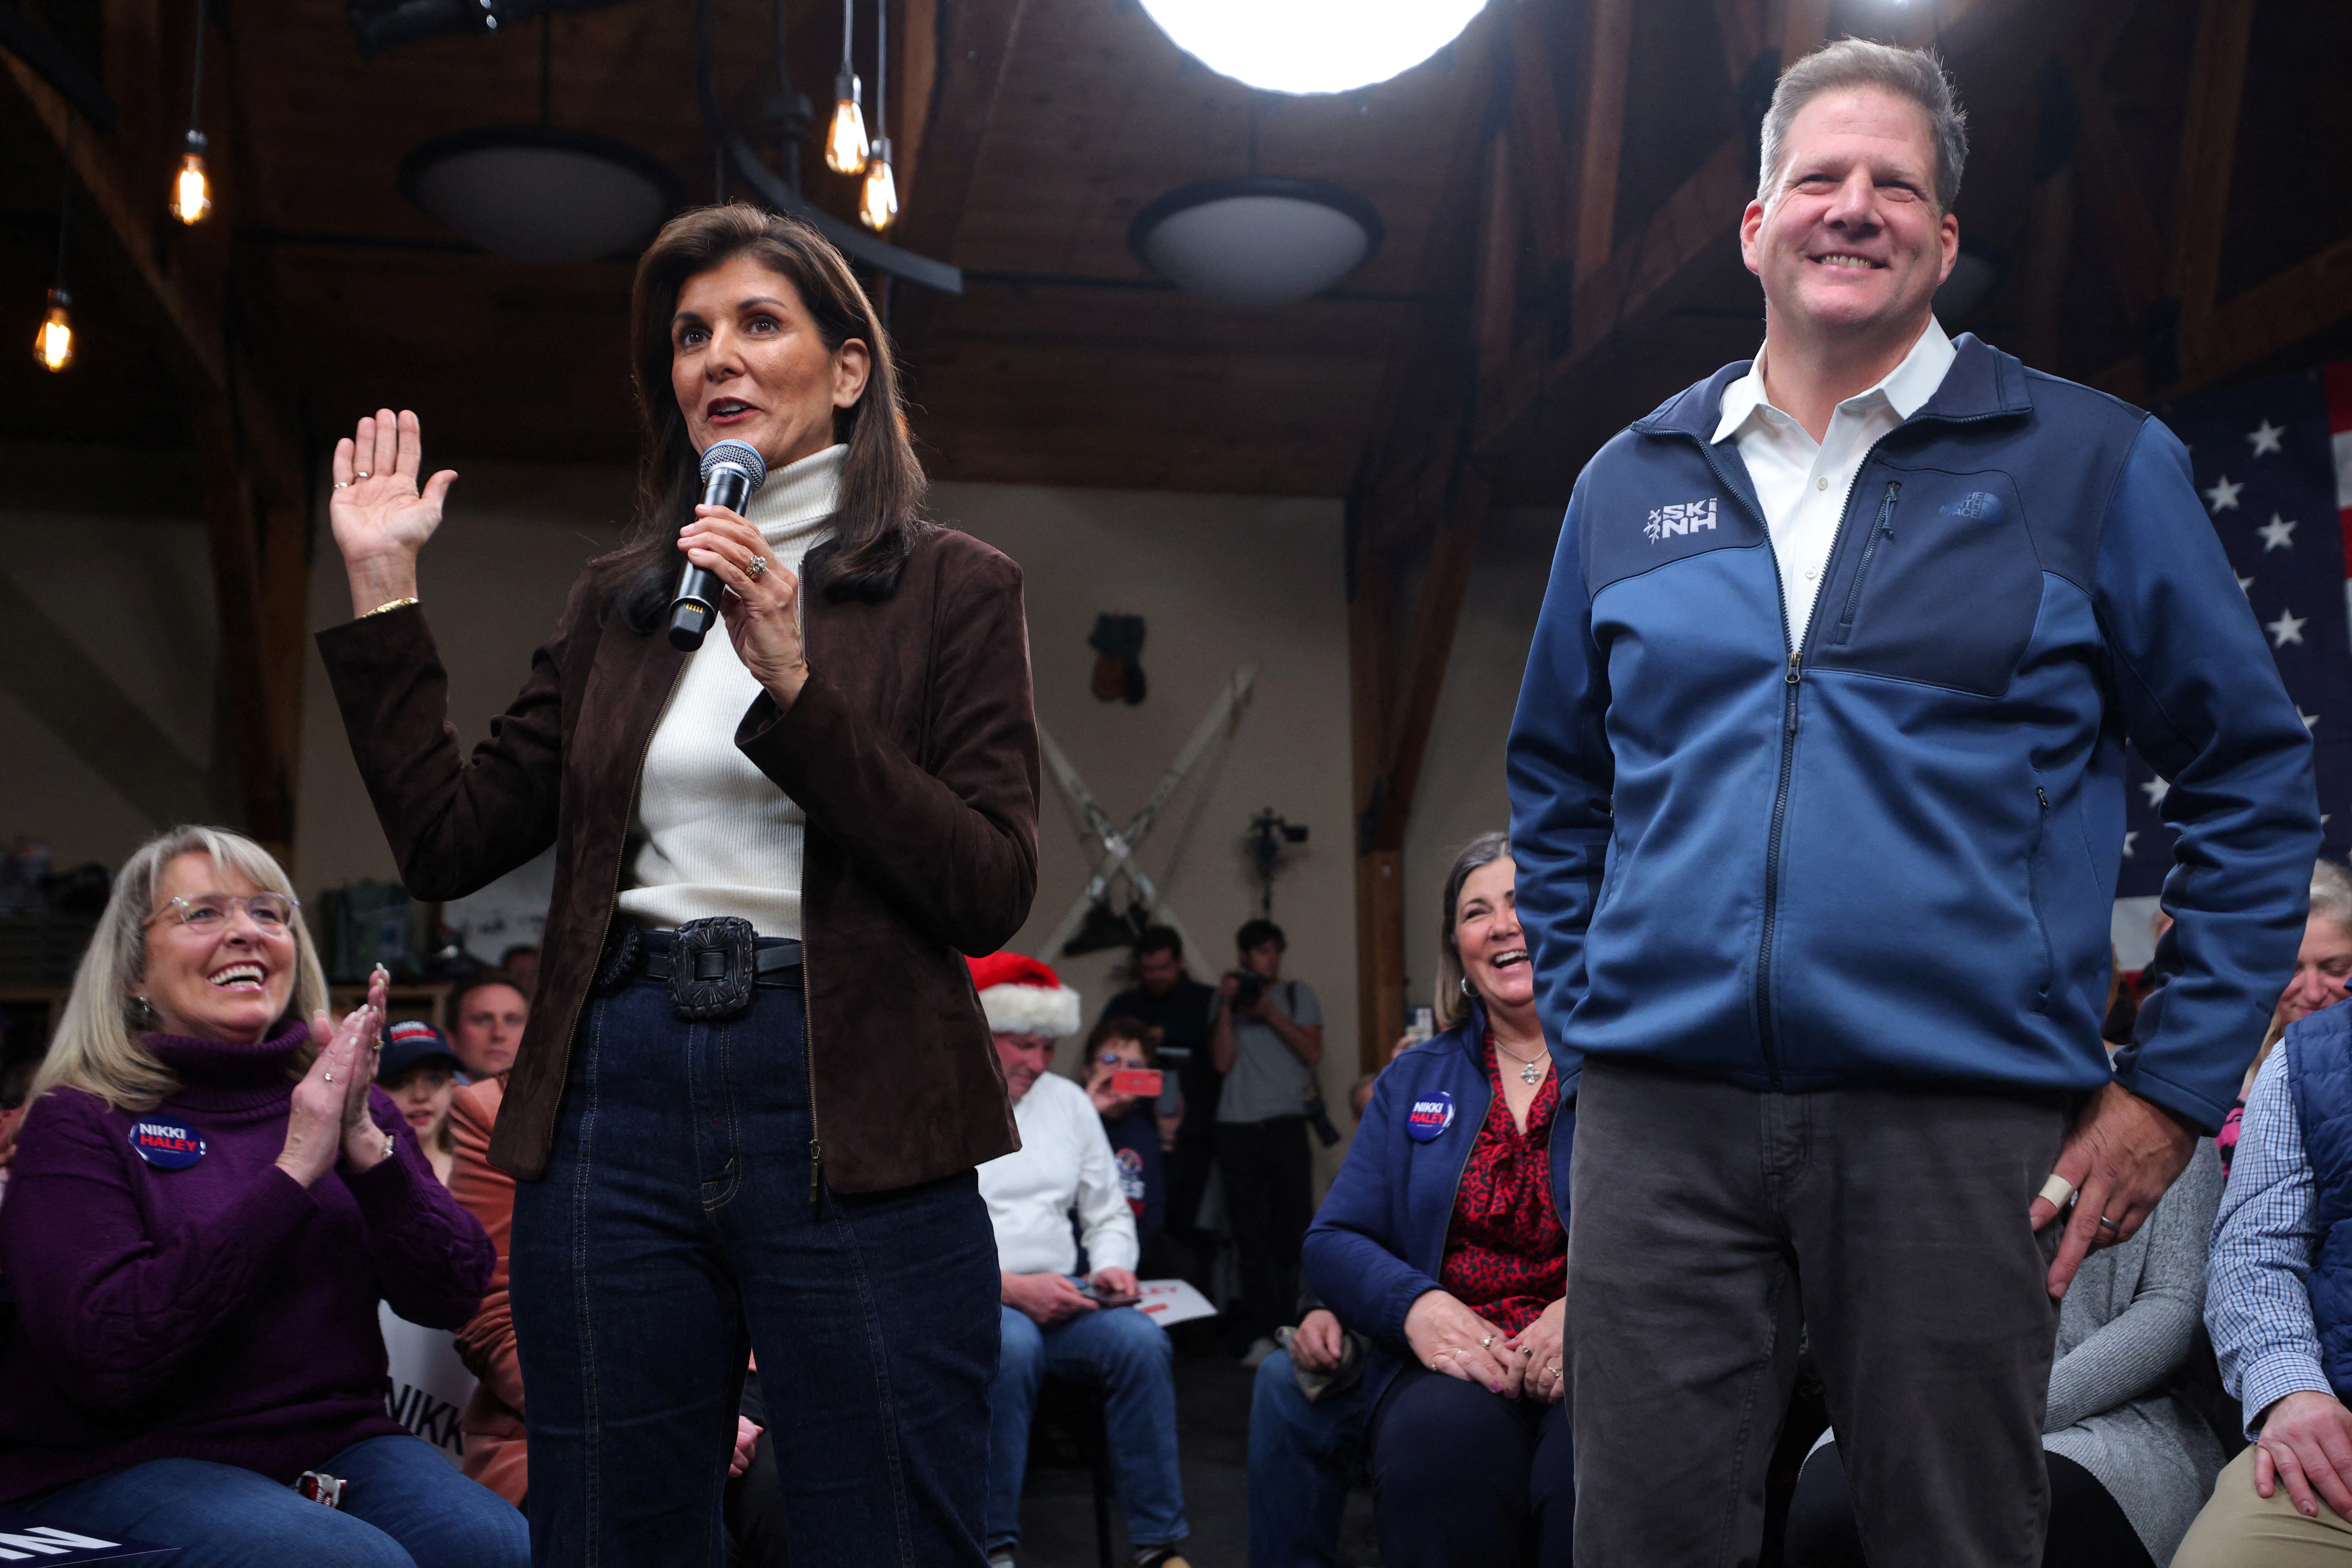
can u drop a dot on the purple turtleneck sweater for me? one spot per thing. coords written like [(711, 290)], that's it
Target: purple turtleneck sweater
[(221, 1312)]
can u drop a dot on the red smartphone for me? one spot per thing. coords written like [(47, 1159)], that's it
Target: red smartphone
[(1142, 1082)]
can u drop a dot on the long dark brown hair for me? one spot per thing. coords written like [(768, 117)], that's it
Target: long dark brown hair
[(882, 485), (1453, 1001)]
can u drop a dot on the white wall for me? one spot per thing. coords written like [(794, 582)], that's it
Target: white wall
[(1221, 580), (117, 556)]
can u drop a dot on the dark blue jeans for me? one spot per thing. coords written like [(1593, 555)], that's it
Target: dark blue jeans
[(675, 1229), (404, 1506), (1301, 1456), (1466, 1479)]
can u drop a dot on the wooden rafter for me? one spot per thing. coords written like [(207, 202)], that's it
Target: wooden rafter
[(2112, 193), (2258, 323), (974, 48), (1604, 132), (1536, 149), (2209, 148)]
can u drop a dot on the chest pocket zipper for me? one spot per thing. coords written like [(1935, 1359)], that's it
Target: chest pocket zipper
[(1880, 527)]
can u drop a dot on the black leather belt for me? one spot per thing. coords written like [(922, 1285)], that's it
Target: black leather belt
[(712, 966), (775, 963)]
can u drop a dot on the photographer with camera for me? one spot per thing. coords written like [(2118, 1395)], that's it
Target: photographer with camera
[(1266, 1037)]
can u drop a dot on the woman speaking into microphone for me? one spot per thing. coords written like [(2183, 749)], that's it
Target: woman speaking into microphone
[(756, 1080)]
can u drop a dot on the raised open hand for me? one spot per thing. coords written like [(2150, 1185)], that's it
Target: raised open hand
[(382, 516)]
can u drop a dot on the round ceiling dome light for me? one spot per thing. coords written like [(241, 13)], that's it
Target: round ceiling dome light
[(1254, 239), (1312, 45), (540, 193)]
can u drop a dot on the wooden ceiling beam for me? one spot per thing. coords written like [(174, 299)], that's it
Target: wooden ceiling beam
[(2112, 193), (975, 43), (2209, 150), (2260, 323), (1742, 26), (1538, 147), (915, 63), (1603, 141)]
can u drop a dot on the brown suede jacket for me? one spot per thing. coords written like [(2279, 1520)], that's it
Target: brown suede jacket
[(913, 751)]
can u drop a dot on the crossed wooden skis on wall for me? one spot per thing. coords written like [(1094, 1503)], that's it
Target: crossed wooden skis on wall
[(1115, 847)]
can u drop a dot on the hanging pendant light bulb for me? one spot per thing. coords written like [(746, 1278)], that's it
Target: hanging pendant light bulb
[(877, 200), (192, 191), (845, 147), (53, 344), (192, 194)]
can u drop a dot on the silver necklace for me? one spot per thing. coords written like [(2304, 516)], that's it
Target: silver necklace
[(1530, 1073)]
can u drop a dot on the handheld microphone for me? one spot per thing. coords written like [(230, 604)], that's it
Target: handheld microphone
[(732, 473)]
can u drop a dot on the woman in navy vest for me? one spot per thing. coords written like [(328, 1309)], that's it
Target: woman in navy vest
[(1445, 1240)]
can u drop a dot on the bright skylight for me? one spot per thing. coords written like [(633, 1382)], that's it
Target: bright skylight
[(1312, 45)]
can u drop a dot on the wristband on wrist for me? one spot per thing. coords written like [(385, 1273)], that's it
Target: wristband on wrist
[(391, 605)]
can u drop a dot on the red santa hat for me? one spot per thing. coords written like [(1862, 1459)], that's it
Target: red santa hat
[(1022, 996)]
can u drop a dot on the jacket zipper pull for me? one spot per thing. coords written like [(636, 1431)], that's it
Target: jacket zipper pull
[(1793, 669), (2042, 795), (816, 1168)]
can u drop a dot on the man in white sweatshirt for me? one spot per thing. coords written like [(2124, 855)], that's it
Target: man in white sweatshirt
[(1054, 1321)]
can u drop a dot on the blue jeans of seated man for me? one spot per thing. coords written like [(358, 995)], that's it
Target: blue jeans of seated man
[(1127, 1356), (1301, 1457), (676, 1230), (404, 1507)]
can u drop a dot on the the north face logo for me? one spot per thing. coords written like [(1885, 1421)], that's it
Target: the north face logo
[(1681, 517)]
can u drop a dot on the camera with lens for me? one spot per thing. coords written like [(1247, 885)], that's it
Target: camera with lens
[(1248, 986)]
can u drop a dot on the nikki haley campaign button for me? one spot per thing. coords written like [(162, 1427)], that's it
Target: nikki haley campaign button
[(166, 1145), (1431, 1114)]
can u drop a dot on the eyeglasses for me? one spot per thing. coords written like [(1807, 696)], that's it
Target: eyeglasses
[(272, 912)]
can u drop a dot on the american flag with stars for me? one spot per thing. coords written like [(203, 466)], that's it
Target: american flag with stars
[(2274, 464)]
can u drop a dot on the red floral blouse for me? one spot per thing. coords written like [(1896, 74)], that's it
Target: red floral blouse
[(1506, 1252)]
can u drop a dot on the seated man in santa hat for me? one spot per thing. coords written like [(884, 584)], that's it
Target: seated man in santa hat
[(1055, 1323)]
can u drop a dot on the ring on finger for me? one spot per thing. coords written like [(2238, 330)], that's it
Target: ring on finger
[(1486, 1343), (2106, 1224), (342, 484), (362, 474), (756, 567)]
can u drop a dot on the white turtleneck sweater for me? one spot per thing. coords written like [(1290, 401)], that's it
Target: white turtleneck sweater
[(713, 835)]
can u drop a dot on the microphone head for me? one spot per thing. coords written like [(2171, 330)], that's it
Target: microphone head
[(737, 455)]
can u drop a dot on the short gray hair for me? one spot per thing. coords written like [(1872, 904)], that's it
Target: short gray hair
[(2331, 894), (1913, 74)]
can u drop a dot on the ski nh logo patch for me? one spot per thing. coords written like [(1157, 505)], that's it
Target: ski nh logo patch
[(1681, 517)]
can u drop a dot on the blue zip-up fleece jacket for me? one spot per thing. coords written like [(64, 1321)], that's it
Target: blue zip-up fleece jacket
[(1378, 1240), (1890, 854)]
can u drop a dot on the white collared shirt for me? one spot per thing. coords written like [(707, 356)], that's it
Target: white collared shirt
[(1801, 483)]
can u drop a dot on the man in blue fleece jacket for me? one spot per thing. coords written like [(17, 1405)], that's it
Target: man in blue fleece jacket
[(1817, 799)]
